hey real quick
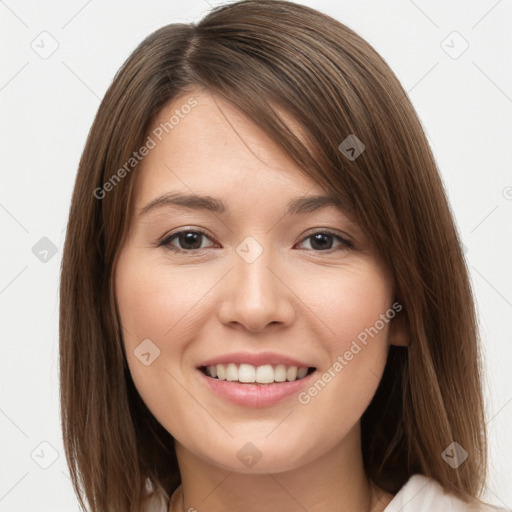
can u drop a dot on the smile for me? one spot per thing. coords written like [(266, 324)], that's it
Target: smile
[(245, 388), (248, 373)]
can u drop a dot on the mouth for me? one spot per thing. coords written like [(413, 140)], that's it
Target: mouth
[(250, 374)]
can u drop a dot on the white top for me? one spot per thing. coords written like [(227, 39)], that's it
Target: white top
[(424, 494), (419, 494)]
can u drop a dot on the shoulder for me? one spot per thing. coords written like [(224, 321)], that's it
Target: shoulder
[(424, 494)]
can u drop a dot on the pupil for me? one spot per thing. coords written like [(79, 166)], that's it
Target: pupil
[(190, 238), (316, 242)]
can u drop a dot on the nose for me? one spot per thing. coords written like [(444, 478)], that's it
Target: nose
[(256, 294)]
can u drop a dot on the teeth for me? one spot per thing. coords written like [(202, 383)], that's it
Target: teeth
[(246, 373), (301, 373), (291, 373), (231, 372), (265, 374), (280, 373)]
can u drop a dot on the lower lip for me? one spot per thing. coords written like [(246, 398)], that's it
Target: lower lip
[(255, 395)]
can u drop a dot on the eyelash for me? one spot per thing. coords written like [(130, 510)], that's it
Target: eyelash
[(166, 242)]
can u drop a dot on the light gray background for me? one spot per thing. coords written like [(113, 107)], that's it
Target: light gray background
[(47, 107)]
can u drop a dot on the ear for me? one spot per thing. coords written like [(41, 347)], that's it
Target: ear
[(399, 332)]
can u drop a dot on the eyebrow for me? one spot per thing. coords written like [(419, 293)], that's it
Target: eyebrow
[(296, 206)]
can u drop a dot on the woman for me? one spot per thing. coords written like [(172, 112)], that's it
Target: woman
[(315, 347)]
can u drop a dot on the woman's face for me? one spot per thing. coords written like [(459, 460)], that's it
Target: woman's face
[(262, 290)]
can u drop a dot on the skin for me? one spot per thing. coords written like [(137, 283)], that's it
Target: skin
[(293, 299)]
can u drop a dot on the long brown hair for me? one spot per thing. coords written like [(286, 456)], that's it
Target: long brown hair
[(261, 54)]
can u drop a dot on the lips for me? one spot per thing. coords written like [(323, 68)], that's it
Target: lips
[(255, 395), (255, 379)]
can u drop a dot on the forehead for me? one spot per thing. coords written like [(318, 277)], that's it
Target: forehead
[(214, 148)]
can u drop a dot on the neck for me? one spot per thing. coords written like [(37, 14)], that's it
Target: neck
[(334, 481)]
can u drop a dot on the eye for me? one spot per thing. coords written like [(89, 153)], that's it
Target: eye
[(323, 241), (190, 240)]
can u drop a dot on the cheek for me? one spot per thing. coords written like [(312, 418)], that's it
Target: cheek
[(354, 306), (349, 302), (148, 308), (165, 304), (153, 303), (153, 300)]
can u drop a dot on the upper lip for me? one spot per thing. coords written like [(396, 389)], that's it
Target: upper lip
[(255, 359)]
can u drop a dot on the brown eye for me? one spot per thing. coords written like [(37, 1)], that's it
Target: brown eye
[(188, 241), (323, 241)]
